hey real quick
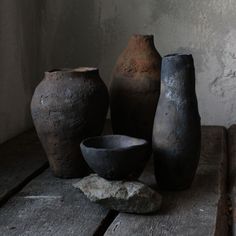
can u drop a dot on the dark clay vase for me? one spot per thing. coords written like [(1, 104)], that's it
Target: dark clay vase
[(135, 88), (177, 129), (68, 106)]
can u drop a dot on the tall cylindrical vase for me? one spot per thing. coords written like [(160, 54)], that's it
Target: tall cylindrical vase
[(135, 88), (68, 106), (177, 130)]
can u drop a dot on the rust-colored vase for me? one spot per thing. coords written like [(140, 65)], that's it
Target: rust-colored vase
[(68, 106), (135, 88)]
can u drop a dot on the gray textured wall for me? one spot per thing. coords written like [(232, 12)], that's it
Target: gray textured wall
[(41, 35), (70, 34), (207, 29), (36, 36), (19, 59)]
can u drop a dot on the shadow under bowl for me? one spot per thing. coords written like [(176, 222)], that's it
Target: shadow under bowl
[(116, 157)]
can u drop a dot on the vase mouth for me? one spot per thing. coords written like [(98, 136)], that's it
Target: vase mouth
[(177, 55), (78, 71), (141, 41), (142, 36), (57, 70)]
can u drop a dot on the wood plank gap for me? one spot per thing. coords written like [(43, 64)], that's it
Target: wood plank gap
[(12, 192), (112, 214), (200, 210), (222, 220), (107, 221), (21, 158), (228, 187), (50, 206), (232, 178)]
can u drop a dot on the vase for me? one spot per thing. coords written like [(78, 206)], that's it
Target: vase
[(135, 88), (68, 106), (177, 129)]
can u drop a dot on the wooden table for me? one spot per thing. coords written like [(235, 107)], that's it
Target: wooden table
[(33, 202)]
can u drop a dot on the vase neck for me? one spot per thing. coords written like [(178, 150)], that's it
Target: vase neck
[(140, 42), (178, 73)]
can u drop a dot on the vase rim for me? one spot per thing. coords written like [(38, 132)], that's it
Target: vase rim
[(178, 55), (85, 69), (138, 36), (77, 70)]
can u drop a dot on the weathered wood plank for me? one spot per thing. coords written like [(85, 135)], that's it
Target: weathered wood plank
[(201, 210), (50, 206), (232, 173), (47, 205), (20, 159)]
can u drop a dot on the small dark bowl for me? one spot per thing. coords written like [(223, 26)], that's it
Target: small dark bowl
[(116, 157)]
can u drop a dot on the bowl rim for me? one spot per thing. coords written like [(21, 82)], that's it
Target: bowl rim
[(145, 143)]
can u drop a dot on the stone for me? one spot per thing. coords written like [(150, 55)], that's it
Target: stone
[(122, 196)]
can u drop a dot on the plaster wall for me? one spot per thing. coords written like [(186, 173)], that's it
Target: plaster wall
[(70, 34), (207, 29), (19, 58), (36, 36), (40, 35)]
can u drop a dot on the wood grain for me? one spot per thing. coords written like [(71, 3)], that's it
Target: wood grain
[(50, 206), (47, 205), (21, 159), (200, 210)]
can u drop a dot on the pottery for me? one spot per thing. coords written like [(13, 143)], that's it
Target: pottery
[(177, 129), (68, 106), (116, 157), (135, 88)]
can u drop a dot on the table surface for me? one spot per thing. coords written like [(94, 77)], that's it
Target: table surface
[(33, 202)]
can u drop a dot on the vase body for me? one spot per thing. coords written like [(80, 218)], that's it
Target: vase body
[(135, 88), (68, 106), (177, 129)]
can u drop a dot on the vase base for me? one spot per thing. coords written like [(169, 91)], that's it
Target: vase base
[(174, 188)]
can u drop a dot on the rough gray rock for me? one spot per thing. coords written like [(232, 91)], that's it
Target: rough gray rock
[(123, 196)]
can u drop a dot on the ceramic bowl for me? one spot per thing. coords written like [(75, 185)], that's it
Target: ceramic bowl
[(116, 157)]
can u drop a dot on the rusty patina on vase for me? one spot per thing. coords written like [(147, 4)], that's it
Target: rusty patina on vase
[(68, 106), (135, 88)]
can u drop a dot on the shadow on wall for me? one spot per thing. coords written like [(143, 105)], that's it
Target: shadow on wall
[(41, 35), (38, 36), (19, 43), (70, 34)]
